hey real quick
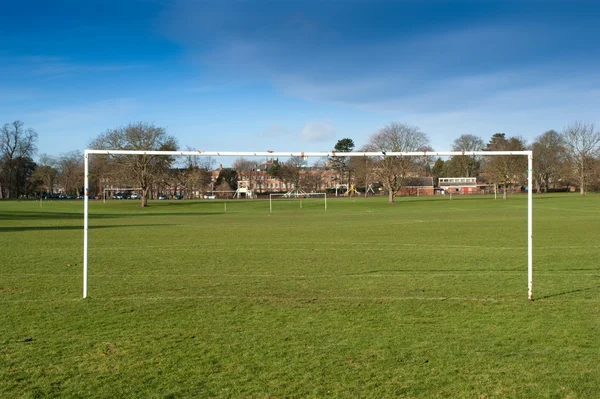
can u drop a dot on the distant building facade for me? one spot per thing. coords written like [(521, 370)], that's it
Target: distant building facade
[(417, 186)]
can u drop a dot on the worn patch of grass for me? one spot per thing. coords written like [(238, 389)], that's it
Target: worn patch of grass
[(426, 298)]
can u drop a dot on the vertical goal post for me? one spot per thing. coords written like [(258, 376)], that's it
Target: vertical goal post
[(528, 154)]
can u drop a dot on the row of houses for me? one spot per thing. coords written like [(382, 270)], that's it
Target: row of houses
[(328, 179), (449, 185), (414, 186), (256, 181), (311, 178)]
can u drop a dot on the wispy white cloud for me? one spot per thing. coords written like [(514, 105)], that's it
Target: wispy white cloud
[(507, 91), (53, 67), (10, 96), (78, 115), (74, 126), (509, 63), (275, 131), (318, 132)]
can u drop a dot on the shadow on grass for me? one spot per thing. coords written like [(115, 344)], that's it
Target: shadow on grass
[(459, 197), (59, 228), (567, 293), (399, 271), (48, 215), (79, 216)]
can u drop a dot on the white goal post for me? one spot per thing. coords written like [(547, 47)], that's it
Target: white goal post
[(528, 154), (298, 196)]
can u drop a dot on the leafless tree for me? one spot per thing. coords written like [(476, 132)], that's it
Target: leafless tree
[(582, 142), (246, 170), (320, 167), (103, 171), (506, 169), (143, 169), (292, 170), (222, 189), (17, 147), (466, 165), (46, 172), (196, 176), (172, 180), (595, 175), (548, 157), (423, 164), (314, 177), (364, 168), (70, 171), (396, 137)]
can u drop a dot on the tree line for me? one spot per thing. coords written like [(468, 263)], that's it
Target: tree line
[(569, 157)]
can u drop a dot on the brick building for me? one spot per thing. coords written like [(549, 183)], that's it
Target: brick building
[(417, 186)]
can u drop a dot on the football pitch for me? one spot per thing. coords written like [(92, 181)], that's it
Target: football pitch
[(425, 298)]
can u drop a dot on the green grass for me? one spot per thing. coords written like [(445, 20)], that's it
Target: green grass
[(426, 298)]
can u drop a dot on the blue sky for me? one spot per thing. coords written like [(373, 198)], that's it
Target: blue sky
[(291, 75)]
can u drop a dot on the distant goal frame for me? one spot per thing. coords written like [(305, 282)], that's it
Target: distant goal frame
[(298, 196), (528, 154)]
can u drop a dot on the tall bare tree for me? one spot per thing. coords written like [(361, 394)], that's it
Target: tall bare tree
[(548, 157), (506, 169), (103, 171), (363, 168), (143, 169), (466, 165), (246, 170), (582, 142), (292, 170), (45, 173), (595, 175), (425, 163), (70, 171), (17, 147), (197, 175), (314, 178), (173, 180), (396, 137)]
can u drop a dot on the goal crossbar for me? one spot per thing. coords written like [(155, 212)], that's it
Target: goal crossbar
[(528, 154), (306, 154)]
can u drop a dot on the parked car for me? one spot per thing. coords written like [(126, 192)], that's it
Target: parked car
[(135, 196), (178, 197), (98, 197), (209, 197), (163, 197)]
